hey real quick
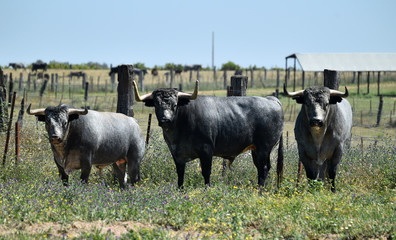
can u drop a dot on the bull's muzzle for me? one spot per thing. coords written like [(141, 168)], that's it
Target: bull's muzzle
[(54, 139), (164, 122), (316, 123)]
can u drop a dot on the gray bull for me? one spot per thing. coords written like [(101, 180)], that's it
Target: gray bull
[(323, 129), (206, 126), (81, 139)]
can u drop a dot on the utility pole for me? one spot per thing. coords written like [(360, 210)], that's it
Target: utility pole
[(212, 50)]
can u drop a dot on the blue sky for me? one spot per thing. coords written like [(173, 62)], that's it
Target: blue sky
[(248, 32)]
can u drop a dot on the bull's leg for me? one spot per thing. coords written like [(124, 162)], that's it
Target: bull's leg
[(206, 167), (64, 177), (311, 169), (180, 168), (310, 166), (332, 167), (134, 158), (85, 170), (119, 173), (134, 170), (261, 160)]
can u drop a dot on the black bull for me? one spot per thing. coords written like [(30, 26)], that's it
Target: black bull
[(206, 126), (81, 139)]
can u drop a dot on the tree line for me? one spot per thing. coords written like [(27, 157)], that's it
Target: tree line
[(230, 65)]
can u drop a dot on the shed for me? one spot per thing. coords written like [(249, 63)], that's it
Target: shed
[(343, 62)]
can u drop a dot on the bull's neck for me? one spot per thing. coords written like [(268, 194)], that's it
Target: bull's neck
[(317, 133), (60, 150)]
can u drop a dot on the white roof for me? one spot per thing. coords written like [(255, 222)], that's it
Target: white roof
[(348, 62)]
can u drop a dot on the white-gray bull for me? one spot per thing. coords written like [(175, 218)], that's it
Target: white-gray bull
[(322, 130), (82, 138)]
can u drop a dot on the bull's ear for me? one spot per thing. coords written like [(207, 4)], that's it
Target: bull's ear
[(335, 99), (41, 118), (183, 101), (73, 117), (299, 99), (149, 103)]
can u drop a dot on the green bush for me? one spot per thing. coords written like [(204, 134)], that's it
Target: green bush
[(230, 66)]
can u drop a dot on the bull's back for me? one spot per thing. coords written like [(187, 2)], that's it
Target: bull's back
[(107, 135), (232, 124)]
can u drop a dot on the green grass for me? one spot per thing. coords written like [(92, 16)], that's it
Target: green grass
[(233, 207)]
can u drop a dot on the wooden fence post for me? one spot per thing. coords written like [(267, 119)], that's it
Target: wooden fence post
[(368, 82), (331, 79), (9, 128), (354, 78), (251, 78), (29, 81), (172, 78), (225, 79), (10, 89), (52, 81), (3, 102), (148, 129), (277, 82), (378, 83), (125, 90), (214, 76), (21, 111), (86, 92), (239, 84), (381, 103), (112, 79), (16, 142), (20, 81)]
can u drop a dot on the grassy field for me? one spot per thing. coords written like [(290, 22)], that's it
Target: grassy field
[(35, 205)]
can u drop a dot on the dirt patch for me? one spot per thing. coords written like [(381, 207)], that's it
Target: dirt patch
[(74, 229)]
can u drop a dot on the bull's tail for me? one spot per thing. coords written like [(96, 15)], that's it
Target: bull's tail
[(279, 166)]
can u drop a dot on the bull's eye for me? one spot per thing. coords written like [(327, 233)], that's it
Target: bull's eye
[(325, 105)]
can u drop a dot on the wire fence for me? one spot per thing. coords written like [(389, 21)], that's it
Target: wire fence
[(32, 135), (66, 83), (371, 125)]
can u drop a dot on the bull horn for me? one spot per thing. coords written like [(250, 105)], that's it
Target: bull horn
[(137, 95), (192, 96), (338, 93), (78, 111), (39, 111), (292, 94)]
